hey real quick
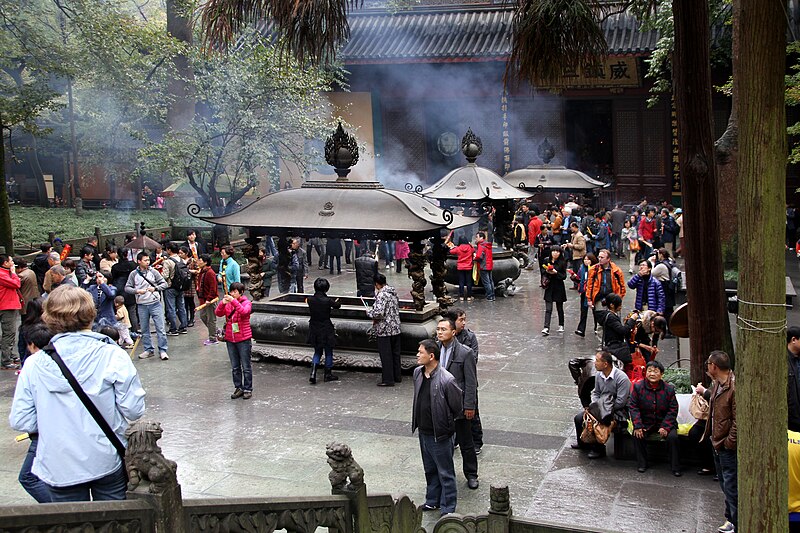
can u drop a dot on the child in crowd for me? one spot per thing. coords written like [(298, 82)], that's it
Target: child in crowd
[(37, 336), (123, 325)]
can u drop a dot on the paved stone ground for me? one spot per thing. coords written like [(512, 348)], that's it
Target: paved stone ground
[(274, 444)]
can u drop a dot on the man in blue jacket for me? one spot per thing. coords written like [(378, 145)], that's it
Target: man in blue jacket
[(437, 402)]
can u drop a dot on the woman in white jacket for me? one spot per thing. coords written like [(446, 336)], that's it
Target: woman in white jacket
[(74, 457)]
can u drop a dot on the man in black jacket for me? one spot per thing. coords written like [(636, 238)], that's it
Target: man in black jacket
[(366, 270), (793, 349), (467, 338), (460, 361)]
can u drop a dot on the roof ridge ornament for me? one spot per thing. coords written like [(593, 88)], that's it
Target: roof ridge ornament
[(546, 151), (341, 152), (471, 146)]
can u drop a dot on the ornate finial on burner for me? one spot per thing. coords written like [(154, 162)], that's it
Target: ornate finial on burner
[(546, 151), (341, 152), (471, 146)]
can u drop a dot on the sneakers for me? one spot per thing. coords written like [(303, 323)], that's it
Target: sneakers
[(172, 332), (238, 393), (561, 329), (10, 366), (477, 450), (247, 395), (470, 299), (579, 333), (164, 356), (183, 331), (727, 527), (146, 355), (210, 342), (428, 507), (546, 332)]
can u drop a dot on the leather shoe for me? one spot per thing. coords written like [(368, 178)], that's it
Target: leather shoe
[(595, 455), (642, 469), (427, 507), (677, 473), (704, 472), (472, 483), (382, 384), (576, 446)]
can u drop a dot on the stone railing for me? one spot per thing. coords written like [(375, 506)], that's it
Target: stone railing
[(155, 505)]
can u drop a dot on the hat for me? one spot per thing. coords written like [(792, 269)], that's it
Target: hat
[(678, 211)]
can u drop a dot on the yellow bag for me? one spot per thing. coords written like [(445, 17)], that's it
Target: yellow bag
[(476, 273)]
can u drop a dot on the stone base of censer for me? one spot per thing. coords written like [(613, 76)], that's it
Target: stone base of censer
[(280, 329)]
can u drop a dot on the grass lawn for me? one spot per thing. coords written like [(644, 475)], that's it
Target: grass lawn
[(32, 224)]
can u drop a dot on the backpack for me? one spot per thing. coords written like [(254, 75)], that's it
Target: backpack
[(181, 281)]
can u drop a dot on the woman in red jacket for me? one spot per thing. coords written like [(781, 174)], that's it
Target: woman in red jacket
[(464, 253), (236, 309)]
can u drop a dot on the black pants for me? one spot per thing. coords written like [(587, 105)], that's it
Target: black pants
[(190, 305), (703, 450), (548, 312), (467, 447), (672, 444), (389, 351), (338, 263)]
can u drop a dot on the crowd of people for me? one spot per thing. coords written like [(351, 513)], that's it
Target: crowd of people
[(89, 309)]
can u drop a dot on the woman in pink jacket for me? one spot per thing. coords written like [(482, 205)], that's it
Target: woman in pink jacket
[(401, 251), (236, 309)]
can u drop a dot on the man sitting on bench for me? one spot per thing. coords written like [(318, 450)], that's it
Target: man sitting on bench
[(654, 411)]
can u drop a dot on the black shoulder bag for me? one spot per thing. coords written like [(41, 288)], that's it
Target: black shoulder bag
[(89, 404)]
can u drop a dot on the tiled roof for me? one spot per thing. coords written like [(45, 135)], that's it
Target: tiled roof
[(476, 34)]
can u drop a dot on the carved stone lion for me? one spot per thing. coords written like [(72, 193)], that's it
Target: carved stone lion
[(144, 460), (343, 466)]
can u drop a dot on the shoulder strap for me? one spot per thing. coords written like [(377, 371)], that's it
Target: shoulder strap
[(146, 279), (87, 402)]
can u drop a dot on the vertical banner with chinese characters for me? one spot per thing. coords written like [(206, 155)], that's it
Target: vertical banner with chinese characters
[(506, 145), (676, 164)]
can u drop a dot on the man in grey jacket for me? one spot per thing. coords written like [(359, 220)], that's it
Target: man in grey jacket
[(612, 388), (437, 401), (460, 361), (147, 284)]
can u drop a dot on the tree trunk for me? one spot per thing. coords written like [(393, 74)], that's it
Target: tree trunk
[(76, 176), (708, 318), (181, 109), (762, 372), (6, 231), (727, 154), (36, 169)]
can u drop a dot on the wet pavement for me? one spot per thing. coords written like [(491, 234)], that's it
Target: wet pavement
[(274, 444)]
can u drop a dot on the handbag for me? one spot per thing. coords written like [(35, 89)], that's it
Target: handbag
[(221, 332), (698, 407), (89, 404), (634, 245), (594, 432)]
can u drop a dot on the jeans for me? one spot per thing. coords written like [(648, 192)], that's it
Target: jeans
[(548, 312), (174, 301), (269, 246), (725, 461), (38, 489), (208, 318), (440, 473), (464, 278), (8, 323), (469, 458), (110, 487), (389, 351), (488, 283), (241, 366), (155, 311), (348, 251), (328, 356), (387, 250)]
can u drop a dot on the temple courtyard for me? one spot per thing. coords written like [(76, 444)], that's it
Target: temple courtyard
[(274, 444)]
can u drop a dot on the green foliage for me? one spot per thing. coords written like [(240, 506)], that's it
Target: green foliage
[(256, 110), (679, 377), (32, 224)]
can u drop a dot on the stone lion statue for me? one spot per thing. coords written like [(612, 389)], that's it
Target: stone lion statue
[(343, 466), (144, 460)]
